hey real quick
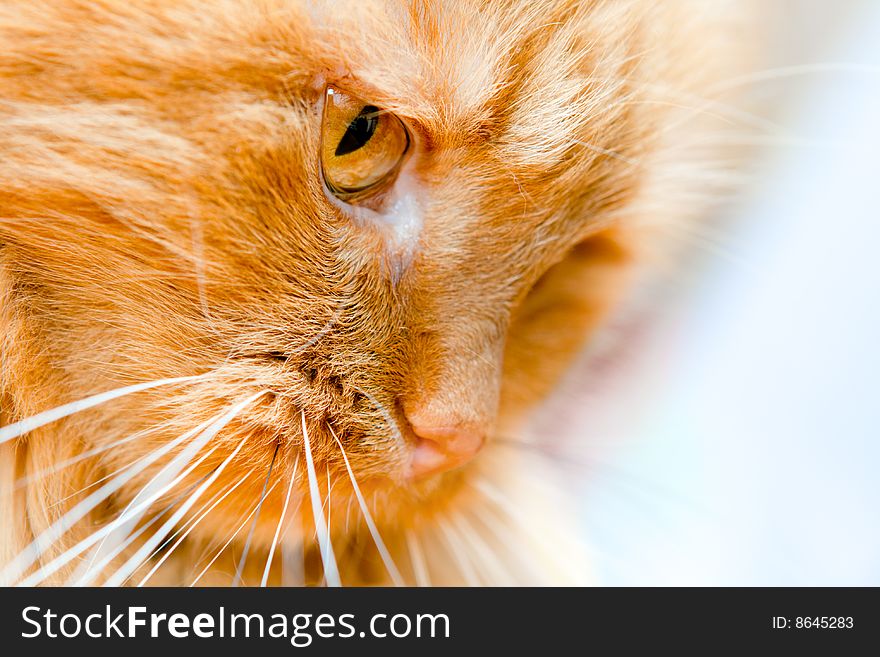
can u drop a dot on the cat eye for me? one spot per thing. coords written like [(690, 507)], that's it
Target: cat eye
[(362, 146)]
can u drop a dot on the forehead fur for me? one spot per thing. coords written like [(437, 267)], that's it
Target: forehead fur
[(454, 66), (468, 69)]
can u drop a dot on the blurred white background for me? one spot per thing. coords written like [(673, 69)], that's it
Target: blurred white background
[(740, 442)]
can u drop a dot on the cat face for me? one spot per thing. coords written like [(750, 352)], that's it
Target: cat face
[(385, 227)]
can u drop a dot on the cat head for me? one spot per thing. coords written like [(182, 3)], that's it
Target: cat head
[(382, 226)]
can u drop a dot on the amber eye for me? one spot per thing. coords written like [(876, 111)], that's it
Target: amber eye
[(362, 146)]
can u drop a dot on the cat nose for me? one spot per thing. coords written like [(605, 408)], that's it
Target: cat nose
[(441, 448)]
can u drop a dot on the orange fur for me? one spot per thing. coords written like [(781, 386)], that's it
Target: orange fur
[(162, 215)]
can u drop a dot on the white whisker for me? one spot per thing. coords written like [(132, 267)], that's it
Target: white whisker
[(604, 151), (32, 552), (791, 71), (225, 545), (452, 541), (417, 557), (60, 465), (87, 572), (154, 489), (159, 483), (192, 526), (247, 544), (389, 419), (507, 536), (148, 546), (511, 511), (320, 334), (482, 550), (331, 571), (90, 502), (280, 523), (327, 500), (81, 573), (40, 419), (368, 518), (74, 579), (107, 476)]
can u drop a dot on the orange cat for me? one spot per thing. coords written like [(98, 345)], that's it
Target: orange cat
[(324, 252)]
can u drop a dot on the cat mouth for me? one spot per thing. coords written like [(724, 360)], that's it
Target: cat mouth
[(372, 433)]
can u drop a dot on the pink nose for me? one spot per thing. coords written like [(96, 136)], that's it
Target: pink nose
[(440, 448)]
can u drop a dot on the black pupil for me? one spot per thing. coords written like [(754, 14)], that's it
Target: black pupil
[(359, 130)]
